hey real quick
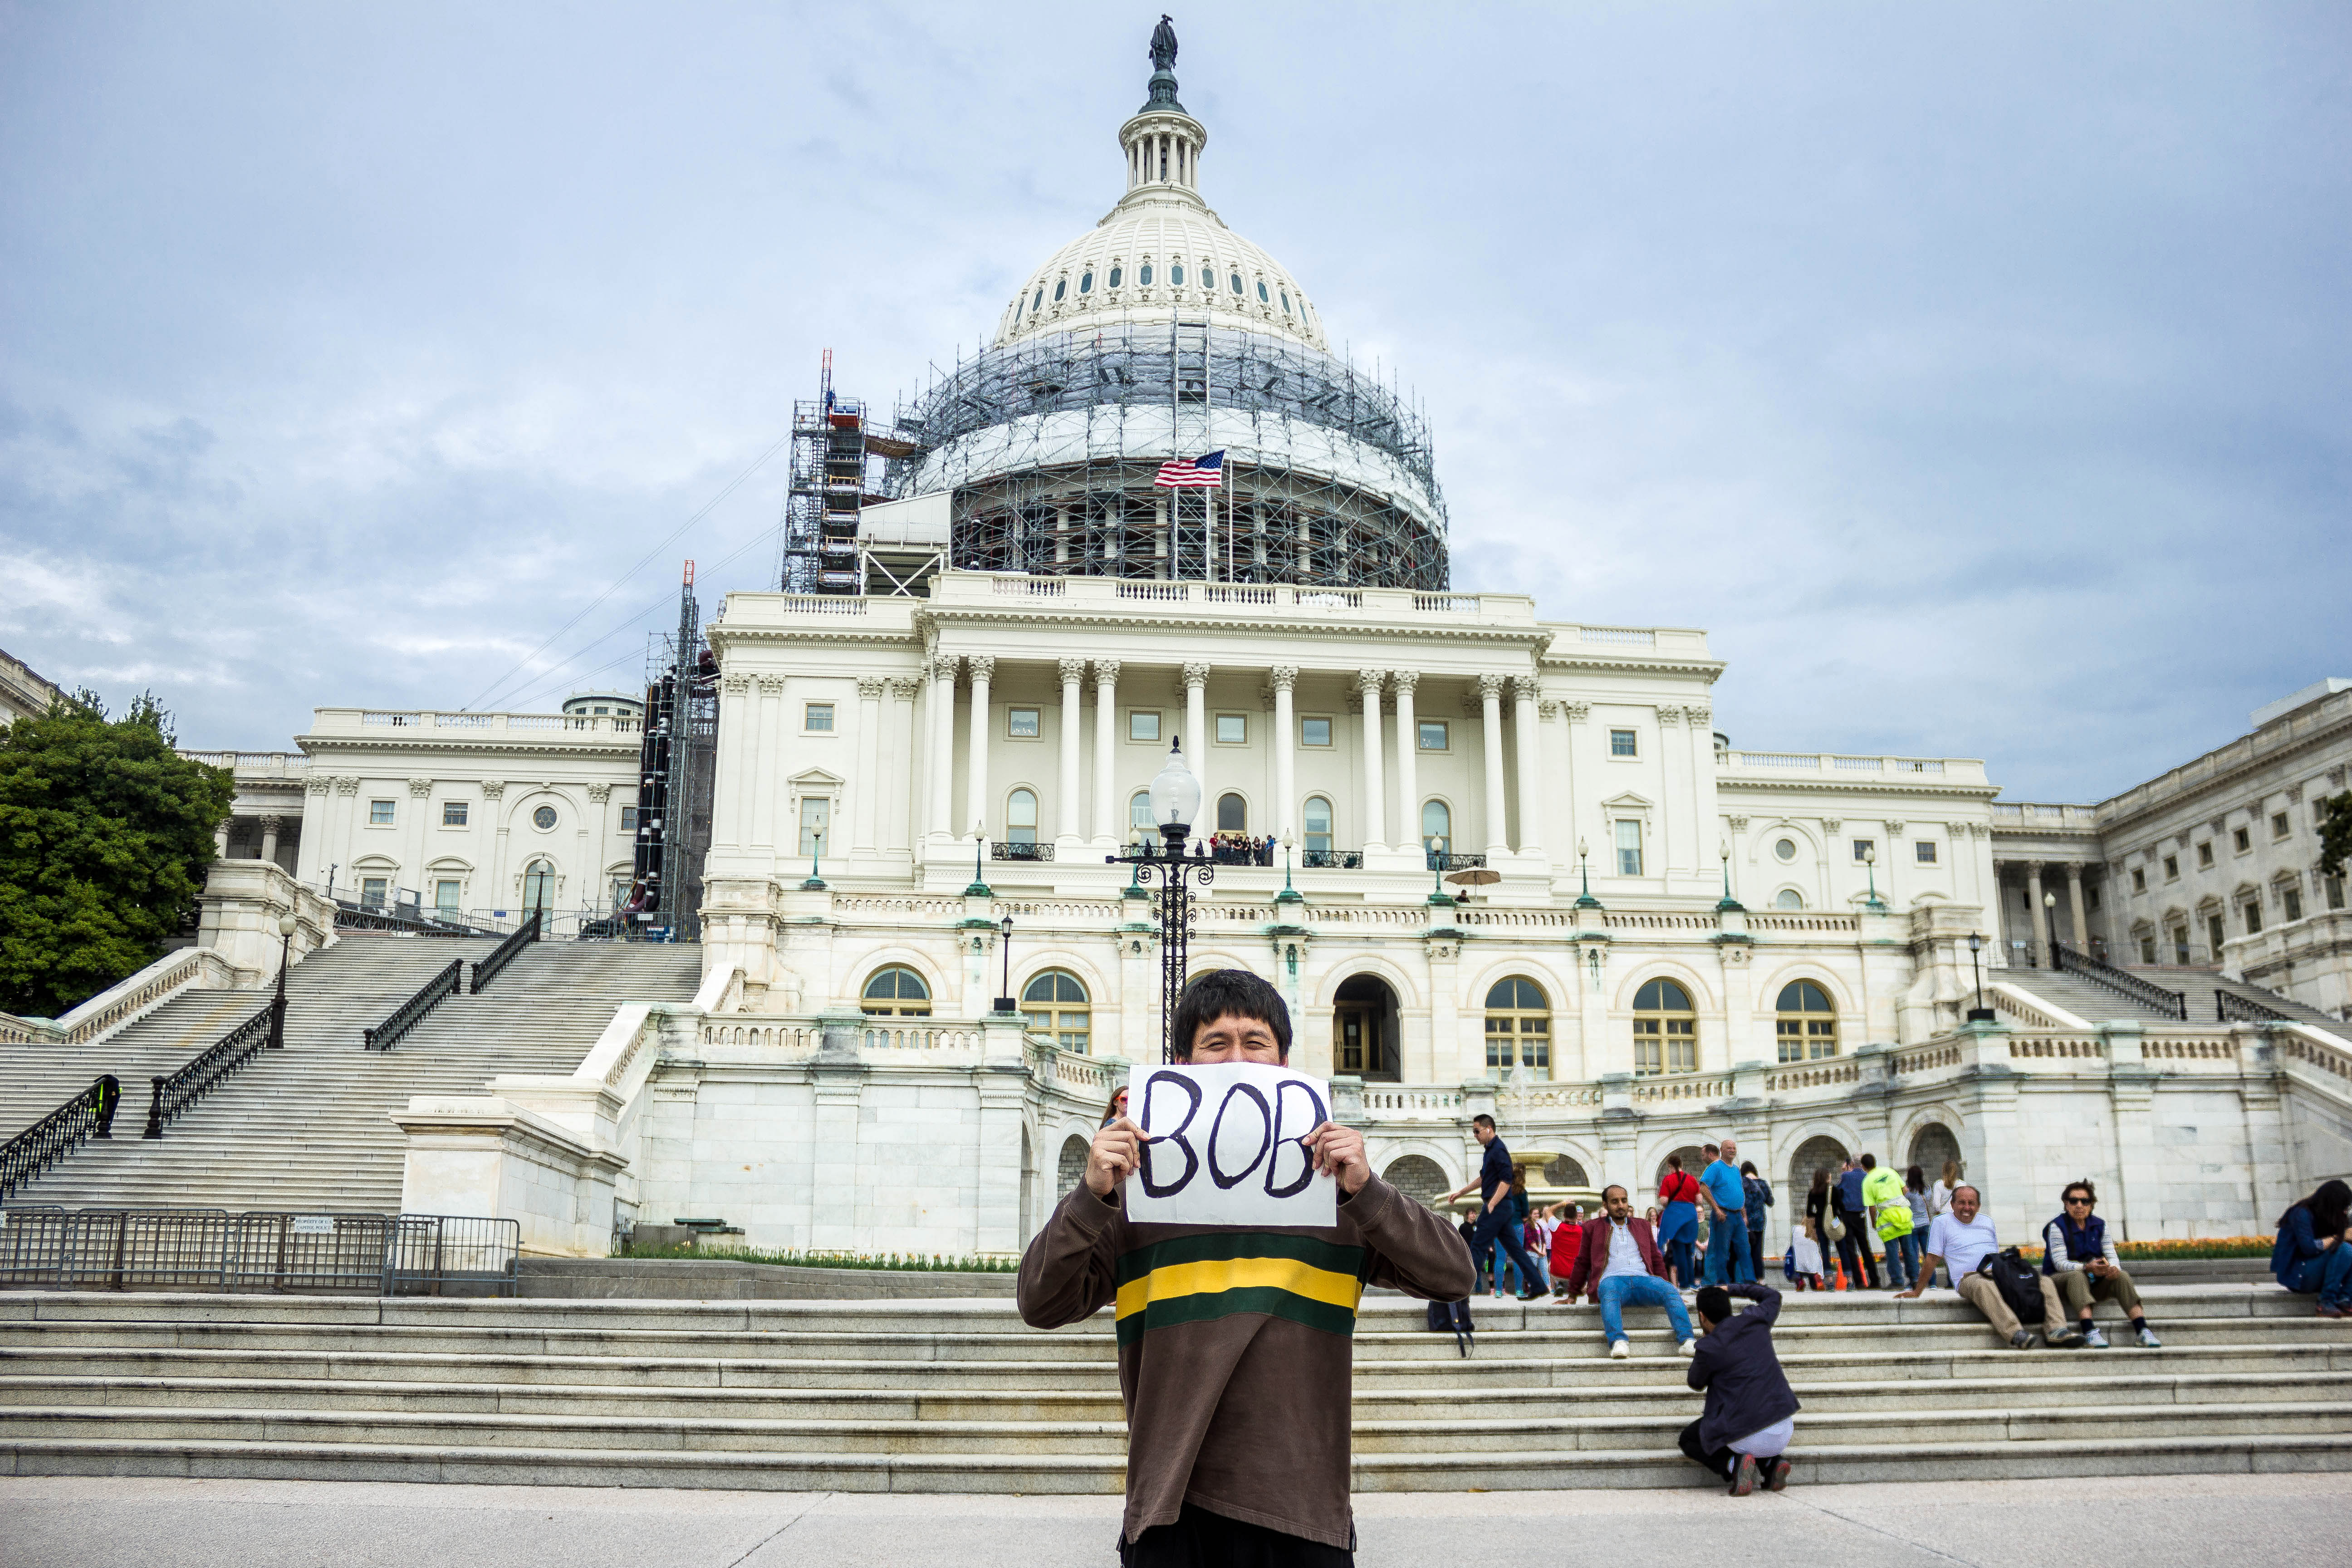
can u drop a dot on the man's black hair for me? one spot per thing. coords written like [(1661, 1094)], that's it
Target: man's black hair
[(1870, 1161), (1481, 1119), (1228, 993), (1613, 1188), (1715, 1304)]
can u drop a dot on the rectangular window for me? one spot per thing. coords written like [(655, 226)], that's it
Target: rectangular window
[(816, 814), (1024, 723), (1233, 728), (2205, 853), (2180, 937), (2172, 867), (1629, 847), (2252, 911), (2291, 903), (1434, 735), (2217, 933), (1862, 847), (2242, 839), (1621, 743), (2147, 950), (1926, 850), (1142, 725), (452, 814), (2334, 892), (379, 813), (371, 891), (1315, 731), (629, 819), (444, 897), (2280, 825), (817, 718), (2140, 883)]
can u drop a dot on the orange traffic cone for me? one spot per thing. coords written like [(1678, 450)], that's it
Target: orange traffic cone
[(1841, 1272)]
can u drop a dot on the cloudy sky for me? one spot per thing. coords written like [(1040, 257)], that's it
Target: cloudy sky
[(1977, 375)]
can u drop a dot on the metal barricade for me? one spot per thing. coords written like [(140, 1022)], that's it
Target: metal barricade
[(292, 1253)]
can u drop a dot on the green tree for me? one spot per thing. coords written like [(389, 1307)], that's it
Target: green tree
[(105, 834), (2335, 833)]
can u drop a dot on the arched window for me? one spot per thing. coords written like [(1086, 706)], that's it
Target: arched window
[(1115, 275), (1436, 822), (1233, 814), (1071, 1169), (1020, 817), (1176, 275), (538, 886), (1418, 1177), (1665, 1029), (1261, 291), (1286, 301), (1317, 819), (1086, 282), (1789, 899), (1061, 287), (1237, 282), (1144, 277), (1055, 1004), (1808, 1026), (1138, 815), (1040, 300), (1516, 1012), (897, 992)]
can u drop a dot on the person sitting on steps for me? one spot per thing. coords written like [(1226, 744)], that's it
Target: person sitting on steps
[(2076, 1253), (1743, 1435), (2313, 1255), (1618, 1262), (1959, 1241)]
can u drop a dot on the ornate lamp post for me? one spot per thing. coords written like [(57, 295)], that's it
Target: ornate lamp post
[(1870, 859), (1979, 1014), (1004, 1003), (814, 884), (1175, 803), (287, 925)]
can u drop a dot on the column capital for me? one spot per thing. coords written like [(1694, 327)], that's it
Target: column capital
[(492, 789), (1105, 672), (1700, 714), (1736, 824), (2034, 867), (1576, 713), (272, 824), (599, 793), (420, 788), (771, 686), (1831, 824), (1073, 671), (1525, 688), (1895, 825), (870, 688), (1283, 676), (1370, 681), (1490, 689), (735, 683), (903, 690), (1669, 714), (318, 783), (347, 785), (943, 666), (983, 666), (1404, 680), (1195, 674)]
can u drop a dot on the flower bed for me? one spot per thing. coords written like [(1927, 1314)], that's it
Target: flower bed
[(899, 1262), (2193, 1246)]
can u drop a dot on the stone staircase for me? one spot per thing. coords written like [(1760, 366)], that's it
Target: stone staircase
[(2095, 1003), (958, 1396), (310, 1127)]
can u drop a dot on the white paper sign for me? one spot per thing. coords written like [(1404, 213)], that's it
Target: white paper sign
[(314, 1224), (1222, 1147)]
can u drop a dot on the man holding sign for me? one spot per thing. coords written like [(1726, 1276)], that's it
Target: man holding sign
[(1233, 1239)]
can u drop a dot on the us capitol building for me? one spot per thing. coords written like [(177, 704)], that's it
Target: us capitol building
[(930, 741)]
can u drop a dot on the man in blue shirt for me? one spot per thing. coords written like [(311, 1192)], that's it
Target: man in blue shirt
[(1853, 1247), (1726, 1250), (1498, 1224)]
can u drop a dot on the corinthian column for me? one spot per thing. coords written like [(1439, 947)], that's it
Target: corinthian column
[(1490, 705), (1368, 686), (1109, 828), (1285, 809), (1408, 744), (1066, 812), (1196, 724), (939, 763), (1527, 740), (976, 765)]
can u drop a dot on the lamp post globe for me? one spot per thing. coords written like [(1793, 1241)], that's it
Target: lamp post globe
[(287, 926), (1175, 795), (1004, 1003)]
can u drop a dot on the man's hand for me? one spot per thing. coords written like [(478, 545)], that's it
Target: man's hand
[(1910, 1295), (1338, 1152), (1112, 1156)]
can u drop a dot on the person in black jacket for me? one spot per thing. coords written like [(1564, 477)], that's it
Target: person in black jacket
[(1743, 1435)]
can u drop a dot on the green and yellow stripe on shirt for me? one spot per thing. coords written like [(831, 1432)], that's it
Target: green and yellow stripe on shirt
[(1216, 1274)]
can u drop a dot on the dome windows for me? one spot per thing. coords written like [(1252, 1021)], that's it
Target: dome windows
[(1286, 301), (1176, 275), (1143, 278), (1114, 276), (1039, 302), (1237, 282), (1086, 282), (1261, 291), (1061, 287)]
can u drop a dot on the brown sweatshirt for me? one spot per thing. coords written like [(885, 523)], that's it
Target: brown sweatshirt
[(1235, 1346)]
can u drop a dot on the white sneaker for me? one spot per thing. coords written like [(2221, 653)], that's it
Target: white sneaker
[(1619, 1349), (1690, 1347)]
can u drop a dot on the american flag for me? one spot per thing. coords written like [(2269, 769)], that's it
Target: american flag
[(1206, 472)]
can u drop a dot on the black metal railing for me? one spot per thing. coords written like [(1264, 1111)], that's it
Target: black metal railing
[(411, 1013), (376, 917), (2121, 982), (1436, 862), (1019, 851), (1332, 860), (487, 968), (175, 1093), (89, 1114), (2231, 1008), (212, 1249), (1242, 854)]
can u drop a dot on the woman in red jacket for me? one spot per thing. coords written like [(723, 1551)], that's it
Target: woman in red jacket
[(1678, 1224)]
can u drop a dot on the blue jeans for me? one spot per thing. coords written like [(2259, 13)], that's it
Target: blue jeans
[(1903, 1259), (1501, 1229), (1501, 1265), (1640, 1291), (2329, 1276), (1727, 1251), (1680, 1264)]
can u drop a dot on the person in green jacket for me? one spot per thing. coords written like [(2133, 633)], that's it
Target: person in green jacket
[(1882, 1198)]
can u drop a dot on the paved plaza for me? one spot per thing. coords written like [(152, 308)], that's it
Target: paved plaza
[(2278, 1520)]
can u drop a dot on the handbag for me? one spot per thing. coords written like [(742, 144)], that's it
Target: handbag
[(2019, 1283)]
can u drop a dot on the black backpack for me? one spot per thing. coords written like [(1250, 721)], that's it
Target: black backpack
[(2019, 1283), (1455, 1316)]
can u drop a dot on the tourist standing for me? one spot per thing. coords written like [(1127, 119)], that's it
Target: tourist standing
[(2313, 1255), (1852, 1217), (1940, 1197), (1678, 1196), (1496, 1222), (1890, 1216), (1760, 1198), (1727, 1258)]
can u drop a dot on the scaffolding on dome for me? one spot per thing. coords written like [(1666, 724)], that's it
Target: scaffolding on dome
[(1050, 447), (832, 484)]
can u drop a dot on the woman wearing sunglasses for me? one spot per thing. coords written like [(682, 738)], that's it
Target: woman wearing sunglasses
[(2081, 1262)]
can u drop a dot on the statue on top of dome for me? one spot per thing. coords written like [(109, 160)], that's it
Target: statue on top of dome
[(1163, 44)]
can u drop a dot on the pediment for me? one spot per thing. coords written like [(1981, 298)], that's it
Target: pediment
[(1630, 801), (815, 778)]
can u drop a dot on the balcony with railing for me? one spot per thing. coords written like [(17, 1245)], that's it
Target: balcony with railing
[(444, 727), (1845, 768)]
